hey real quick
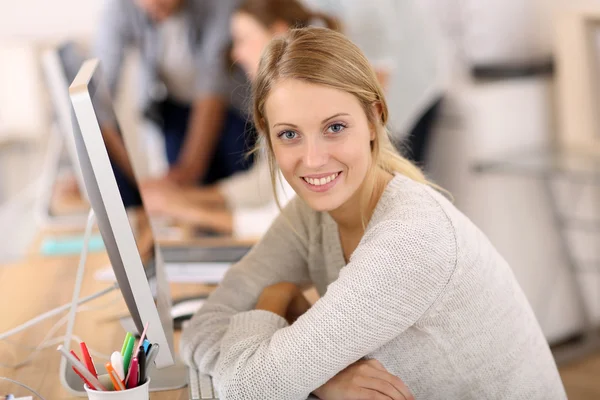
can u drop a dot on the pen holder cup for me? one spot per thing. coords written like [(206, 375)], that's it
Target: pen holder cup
[(138, 393)]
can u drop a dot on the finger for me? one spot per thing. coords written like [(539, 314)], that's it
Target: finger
[(393, 380), (369, 394), (381, 386), (376, 364)]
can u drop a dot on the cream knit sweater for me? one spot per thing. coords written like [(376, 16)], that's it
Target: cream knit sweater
[(425, 293)]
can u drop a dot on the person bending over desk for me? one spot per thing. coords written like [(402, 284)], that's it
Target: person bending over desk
[(413, 296), (186, 87), (229, 205)]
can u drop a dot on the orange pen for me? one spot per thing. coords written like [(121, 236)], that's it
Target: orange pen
[(114, 377)]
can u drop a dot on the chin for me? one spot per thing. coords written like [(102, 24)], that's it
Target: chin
[(323, 204)]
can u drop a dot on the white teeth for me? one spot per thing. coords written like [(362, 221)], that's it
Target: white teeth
[(322, 181)]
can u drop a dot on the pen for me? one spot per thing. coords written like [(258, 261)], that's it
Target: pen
[(133, 374), (116, 360), (125, 343), (142, 338), (128, 353), (141, 356), (89, 363), (79, 366), (112, 374), (77, 372), (149, 360)]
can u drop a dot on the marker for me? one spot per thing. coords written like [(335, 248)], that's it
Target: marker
[(146, 345), (125, 343), (133, 374), (81, 376), (128, 353), (79, 366), (118, 385), (116, 360), (141, 356), (142, 338), (150, 360), (87, 358)]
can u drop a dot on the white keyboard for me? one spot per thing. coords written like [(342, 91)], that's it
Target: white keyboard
[(201, 386)]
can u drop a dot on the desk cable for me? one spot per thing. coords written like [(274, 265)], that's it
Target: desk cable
[(49, 342), (23, 386), (73, 307)]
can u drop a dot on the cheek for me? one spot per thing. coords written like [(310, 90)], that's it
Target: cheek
[(286, 158), (354, 152)]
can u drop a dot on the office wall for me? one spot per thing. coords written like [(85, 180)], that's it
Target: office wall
[(486, 120), (48, 20)]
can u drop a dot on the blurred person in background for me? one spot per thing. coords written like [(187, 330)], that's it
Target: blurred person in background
[(232, 205), (405, 50), (186, 88)]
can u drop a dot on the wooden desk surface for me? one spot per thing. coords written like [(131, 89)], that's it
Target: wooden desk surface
[(37, 285)]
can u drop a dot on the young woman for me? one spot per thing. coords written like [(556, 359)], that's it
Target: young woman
[(231, 206), (405, 279)]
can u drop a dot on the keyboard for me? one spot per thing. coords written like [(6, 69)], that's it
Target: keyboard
[(201, 386)]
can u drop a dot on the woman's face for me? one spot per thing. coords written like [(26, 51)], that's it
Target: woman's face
[(250, 37), (321, 139)]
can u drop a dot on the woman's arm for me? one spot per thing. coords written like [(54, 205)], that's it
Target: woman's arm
[(280, 256), (393, 278)]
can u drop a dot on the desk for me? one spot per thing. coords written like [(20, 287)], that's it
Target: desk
[(37, 285)]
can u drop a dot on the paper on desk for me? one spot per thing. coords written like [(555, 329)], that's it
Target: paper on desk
[(202, 272)]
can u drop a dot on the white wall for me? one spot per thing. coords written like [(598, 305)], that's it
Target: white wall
[(486, 120), (48, 20)]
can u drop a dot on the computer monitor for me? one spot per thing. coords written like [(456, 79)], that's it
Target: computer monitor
[(133, 253), (60, 65)]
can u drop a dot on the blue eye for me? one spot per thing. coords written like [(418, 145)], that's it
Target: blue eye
[(336, 128), (288, 135)]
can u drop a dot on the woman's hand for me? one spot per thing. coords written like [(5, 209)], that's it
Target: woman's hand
[(284, 299), (162, 197), (364, 380)]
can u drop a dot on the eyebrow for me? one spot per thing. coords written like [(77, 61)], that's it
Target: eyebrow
[(322, 122)]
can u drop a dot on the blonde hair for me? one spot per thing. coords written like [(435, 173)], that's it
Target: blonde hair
[(325, 57)]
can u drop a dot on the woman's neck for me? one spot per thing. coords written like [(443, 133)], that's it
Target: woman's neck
[(346, 216)]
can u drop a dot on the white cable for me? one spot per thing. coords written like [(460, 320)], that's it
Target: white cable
[(79, 279), (24, 386), (48, 342), (54, 312)]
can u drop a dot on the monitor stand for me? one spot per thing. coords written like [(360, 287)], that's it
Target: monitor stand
[(167, 378)]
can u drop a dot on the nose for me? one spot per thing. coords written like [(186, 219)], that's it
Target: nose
[(315, 155)]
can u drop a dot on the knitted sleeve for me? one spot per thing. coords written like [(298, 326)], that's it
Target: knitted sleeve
[(395, 275), (280, 256)]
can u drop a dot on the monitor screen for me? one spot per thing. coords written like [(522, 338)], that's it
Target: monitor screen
[(125, 177)]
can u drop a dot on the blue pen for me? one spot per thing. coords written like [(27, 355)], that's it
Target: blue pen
[(146, 344), (10, 397)]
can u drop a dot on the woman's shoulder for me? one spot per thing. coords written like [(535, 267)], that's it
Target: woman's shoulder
[(407, 200), (410, 212)]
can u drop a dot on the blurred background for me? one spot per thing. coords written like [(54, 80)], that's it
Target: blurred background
[(516, 141)]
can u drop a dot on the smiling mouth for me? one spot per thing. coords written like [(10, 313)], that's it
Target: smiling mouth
[(321, 181)]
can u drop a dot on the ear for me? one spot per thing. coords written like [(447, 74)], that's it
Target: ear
[(279, 28), (377, 111)]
